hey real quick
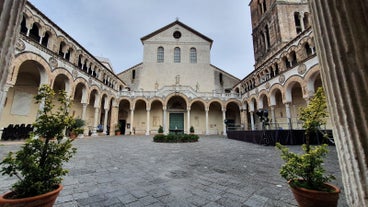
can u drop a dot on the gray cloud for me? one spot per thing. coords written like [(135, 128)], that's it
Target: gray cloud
[(113, 28)]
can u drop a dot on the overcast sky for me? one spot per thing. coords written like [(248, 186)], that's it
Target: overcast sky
[(113, 28)]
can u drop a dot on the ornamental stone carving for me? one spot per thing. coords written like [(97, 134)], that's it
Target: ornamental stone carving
[(282, 79), (53, 62), (302, 68), (90, 81), (268, 85), (19, 45)]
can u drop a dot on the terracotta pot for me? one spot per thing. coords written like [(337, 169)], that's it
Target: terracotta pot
[(44, 200), (313, 198)]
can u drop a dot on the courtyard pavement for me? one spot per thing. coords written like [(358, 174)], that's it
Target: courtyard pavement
[(134, 171)]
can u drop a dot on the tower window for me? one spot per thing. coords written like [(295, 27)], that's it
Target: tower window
[(133, 74), (298, 25)]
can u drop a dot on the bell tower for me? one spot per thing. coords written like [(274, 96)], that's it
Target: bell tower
[(275, 23)]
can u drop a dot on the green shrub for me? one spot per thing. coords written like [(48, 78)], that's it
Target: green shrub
[(175, 138), (39, 162), (160, 130)]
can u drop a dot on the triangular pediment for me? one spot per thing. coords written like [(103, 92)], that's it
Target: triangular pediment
[(176, 26)]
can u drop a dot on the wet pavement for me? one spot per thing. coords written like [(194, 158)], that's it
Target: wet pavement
[(134, 171)]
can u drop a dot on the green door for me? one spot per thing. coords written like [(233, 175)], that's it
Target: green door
[(176, 123)]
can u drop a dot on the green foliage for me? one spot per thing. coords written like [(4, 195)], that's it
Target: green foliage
[(77, 126), (160, 130), (191, 129), (175, 138), (39, 162), (306, 170), (315, 114)]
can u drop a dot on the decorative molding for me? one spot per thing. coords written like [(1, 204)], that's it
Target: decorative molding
[(19, 45), (281, 79), (53, 62), (301, 69)]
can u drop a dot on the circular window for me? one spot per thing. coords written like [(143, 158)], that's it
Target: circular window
[(177, 34)]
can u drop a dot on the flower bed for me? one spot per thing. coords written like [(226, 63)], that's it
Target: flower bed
[(175, 138)]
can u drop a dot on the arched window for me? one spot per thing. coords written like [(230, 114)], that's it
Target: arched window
[(294, 61), (45, 39), (160, 55), (267, 37), (23, 28), (80, 62), (177, 55), (298, 25), (308, 49), (34, 33), (306, 20), (62, 45), (221, 79), (193, 55)]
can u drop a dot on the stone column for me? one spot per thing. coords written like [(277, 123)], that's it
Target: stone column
[(188, 119), (252, 120), (84, 109), (223, 120), (148, 121), (164, 124), (3, 94), (301, 19), (95, 121), (273, 116), (207, 128), (10, 18), (105, 120), (288, 114), (341, 29), (131, 121), (114, 117)]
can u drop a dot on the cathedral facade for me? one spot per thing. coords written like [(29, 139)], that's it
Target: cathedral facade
[(175, 86)]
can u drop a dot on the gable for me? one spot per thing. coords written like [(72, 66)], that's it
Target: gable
[(184, 32)]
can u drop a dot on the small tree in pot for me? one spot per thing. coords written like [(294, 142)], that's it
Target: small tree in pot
[(39, 162), (304, 172)]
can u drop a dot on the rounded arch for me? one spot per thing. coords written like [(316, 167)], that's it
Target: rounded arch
[(261, 97), (134, 102), (252, 103), (197, 100), (150, 102), (79, 91), (310, 78), (290, 82), (69, 79), (237, 102), (275, 88), (91, 90), (216, 101), (19, 59), (167, 99)]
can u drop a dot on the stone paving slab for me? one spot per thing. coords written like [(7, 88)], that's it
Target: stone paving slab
[(134, 171)]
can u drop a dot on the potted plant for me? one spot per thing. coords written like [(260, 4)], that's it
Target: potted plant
[(304, 172), (191, 129), (160, 130), (117, 129), (39, 162), (76, 128)]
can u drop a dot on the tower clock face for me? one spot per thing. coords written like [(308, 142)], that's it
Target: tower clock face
[(177, 34)]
